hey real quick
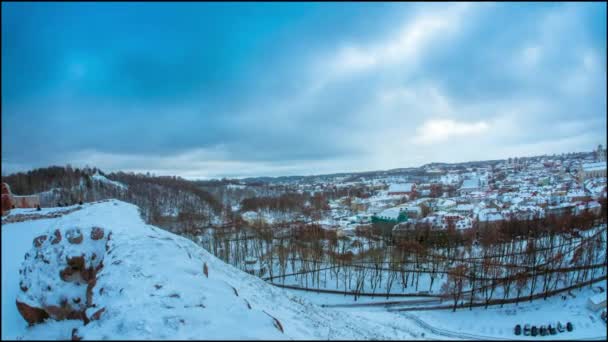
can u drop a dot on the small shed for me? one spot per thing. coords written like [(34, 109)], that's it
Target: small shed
[(597, 302)]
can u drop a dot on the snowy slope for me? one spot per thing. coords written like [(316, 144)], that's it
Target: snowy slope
[(101, 178), (152, 286)]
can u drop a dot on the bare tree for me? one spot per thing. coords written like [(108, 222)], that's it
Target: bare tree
[(454, 285)]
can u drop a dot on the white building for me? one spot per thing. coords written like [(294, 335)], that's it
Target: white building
[(592, 170), (469, 185), (597, 302), (401, 188)]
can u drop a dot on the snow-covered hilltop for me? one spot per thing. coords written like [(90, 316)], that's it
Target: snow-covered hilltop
[(152, 285), (101, 178)]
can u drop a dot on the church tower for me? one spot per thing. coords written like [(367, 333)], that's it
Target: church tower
[(600, 153)]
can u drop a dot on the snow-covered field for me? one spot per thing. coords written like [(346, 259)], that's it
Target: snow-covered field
[(153, 287), (42, 211), (494, 323), (500, 322)]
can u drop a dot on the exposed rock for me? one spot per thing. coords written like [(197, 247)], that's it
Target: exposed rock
[(64, 311), (57, 237), (73, 271), (89, 292), (74, 236), (97, 314), (97, 233), (108, 242), (39, 241), (31, 314), (70, 265)]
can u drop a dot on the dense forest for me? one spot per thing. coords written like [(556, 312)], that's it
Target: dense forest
[(44, 179), (166, 200)]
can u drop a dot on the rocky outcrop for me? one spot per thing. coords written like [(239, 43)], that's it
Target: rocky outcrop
[(58, 276), (31, 314)]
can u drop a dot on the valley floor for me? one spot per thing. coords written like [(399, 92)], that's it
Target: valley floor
[(479, 323)]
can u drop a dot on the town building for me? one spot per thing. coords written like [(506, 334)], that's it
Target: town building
[(592, 170), (401, 189), (469, 185), (391, 215), (358, 205), (600, 154), (560, 209)]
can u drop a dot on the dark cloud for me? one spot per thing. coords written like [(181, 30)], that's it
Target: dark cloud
[(270, 88)]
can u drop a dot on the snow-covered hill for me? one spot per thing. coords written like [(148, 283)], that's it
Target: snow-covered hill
[(101, 178), (153, 286)]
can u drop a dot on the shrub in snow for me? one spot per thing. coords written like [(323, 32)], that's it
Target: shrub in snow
[(75, 336), (58, 275), (277, 324)]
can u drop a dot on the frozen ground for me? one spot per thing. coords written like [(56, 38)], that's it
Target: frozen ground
[(479, 323), (494, 323), (153, 287), (188, 305), (42, 211), (500, 322)]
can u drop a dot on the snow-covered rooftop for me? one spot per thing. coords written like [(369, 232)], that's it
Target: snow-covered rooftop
[(594, 166), (489, 215), (392, 213), (400, 187), (472, 183)]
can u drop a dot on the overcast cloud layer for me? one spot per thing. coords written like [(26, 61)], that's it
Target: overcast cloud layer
[(234, 90)]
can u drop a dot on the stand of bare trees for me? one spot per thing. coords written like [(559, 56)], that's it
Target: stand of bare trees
[(504, 261)]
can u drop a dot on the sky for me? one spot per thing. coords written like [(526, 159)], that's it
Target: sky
[(210, 90)]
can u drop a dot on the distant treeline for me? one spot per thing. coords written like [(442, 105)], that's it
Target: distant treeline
[(140, 181), (43, 179), (158, 197)]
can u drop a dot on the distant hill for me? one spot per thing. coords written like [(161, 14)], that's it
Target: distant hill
[(162, 199)]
